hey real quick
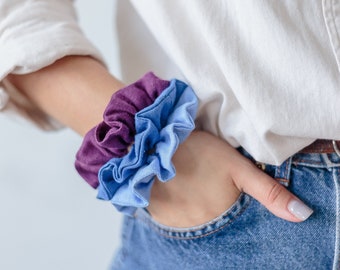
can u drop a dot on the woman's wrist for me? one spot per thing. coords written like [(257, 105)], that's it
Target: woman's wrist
[(75, 90)]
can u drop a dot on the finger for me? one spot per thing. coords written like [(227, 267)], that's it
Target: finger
[(276, 198)]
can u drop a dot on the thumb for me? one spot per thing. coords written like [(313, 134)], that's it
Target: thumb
[(275, 197)]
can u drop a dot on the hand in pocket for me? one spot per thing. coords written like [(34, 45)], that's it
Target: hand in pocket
[(210, 175)]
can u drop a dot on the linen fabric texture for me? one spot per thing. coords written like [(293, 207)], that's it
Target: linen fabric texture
[(245, 60), (33, 35), (254, 65)]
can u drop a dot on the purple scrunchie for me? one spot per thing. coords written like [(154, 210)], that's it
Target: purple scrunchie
[(112, 137)]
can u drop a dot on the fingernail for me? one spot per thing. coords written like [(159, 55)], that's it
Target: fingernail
[(299, 209)]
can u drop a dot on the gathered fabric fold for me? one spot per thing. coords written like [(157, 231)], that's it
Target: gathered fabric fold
[(160, 127), (115, 134)]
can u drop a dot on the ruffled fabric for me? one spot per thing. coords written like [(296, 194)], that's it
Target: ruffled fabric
[(160, 128), (113, 136)]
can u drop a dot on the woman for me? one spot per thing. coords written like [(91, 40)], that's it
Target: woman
[(266, 77)]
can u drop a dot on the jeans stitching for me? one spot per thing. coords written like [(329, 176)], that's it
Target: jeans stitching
[(226, 219), (336, 264)]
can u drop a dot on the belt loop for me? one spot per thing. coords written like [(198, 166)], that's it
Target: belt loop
[(282, 172), (336, 148)]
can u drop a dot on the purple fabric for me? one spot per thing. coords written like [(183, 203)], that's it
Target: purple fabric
[(112, 137)]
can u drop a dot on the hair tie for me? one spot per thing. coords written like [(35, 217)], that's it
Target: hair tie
[(126, 177)]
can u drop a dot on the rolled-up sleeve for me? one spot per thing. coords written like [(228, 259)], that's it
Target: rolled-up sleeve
[(36, 33)]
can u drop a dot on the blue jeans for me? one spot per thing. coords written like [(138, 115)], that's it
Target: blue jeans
[(247, 235)]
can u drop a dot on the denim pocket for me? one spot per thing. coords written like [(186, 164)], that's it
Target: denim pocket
[(210, 227), (280, 173), (247, 235)]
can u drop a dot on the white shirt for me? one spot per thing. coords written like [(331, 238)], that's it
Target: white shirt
[(33, 35), (266, 72)]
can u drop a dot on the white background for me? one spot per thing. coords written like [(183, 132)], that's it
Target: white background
[(49, 217)]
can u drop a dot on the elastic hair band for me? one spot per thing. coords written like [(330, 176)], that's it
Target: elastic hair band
[(127, 175)]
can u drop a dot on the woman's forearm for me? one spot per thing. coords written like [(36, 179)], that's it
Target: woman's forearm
[(75, 90)]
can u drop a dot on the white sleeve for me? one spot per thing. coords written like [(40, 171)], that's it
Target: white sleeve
[(33, 35)]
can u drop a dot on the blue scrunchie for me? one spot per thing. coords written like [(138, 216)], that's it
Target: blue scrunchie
[(160, 128)]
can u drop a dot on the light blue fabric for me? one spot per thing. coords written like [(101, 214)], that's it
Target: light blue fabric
[(160, 128)]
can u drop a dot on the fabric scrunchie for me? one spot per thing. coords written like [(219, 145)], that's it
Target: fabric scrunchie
[(160, 128), (153, 131)]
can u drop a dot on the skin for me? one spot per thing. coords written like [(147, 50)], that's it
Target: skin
[(210, 173)]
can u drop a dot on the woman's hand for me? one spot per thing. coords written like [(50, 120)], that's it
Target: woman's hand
[(210, 175)]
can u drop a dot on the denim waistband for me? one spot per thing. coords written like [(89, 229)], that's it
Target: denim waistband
[(282, 172)]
